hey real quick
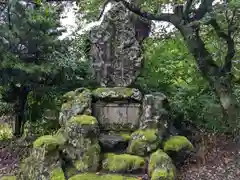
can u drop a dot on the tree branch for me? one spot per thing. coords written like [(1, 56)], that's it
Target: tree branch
[(187, 8), (230, 45), (205, 6), (168, 17)]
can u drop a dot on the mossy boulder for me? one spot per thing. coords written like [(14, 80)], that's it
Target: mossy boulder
[(122, 163), (75, 103), (161, 166), (57, 174), (8, 178), (117, 93), (178, 148), (82, 125), (163, 174), (177, 143), (49, 142), (92, 176), (143, 142), (89, 161)]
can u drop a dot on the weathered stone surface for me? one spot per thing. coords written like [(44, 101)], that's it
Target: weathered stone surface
[(161, 166), (117, 93), (116, 50), (113, 142), (82, 146), (155, 111), (122, 163), (143, 142), (117, 116), (75, 103)]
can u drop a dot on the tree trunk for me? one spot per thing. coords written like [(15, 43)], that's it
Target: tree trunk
[(19, 110), (220, 81), (231, 109)]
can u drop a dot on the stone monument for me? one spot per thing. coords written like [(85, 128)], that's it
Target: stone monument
[(113, 129)]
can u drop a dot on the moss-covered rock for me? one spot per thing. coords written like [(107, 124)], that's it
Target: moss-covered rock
[(122, 163), (9, 178), (57, 174), (143, 142), (75, 103), (82, 126), (160, 162), (83, 120), (92, 176), (177, 143), (89, 161), (163, 174), (117, 93), (49, 142), (5, 132)]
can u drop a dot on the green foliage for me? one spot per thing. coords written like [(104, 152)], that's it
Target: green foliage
[(5, 132), (167, 65)]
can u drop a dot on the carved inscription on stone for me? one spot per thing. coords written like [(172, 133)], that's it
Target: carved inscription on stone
[(115, 50), (114, 116)]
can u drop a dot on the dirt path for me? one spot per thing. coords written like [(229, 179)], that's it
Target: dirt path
[(222, 163)]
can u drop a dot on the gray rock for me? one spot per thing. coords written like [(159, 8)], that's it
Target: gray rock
[(112, 142), (116, 52)]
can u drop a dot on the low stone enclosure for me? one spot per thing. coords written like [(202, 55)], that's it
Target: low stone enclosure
[(117, 132)]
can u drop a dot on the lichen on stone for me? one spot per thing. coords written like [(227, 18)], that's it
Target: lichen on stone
[(90, 159), (159, 159), (122, 162), (9, 178), (75, 103), (143, 142), (93, 176), (57, 174), (117, 93), (163, 174), (177, 143)]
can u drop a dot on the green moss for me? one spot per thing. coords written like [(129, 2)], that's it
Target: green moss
[(90, 159), (122, 163), (116, 92), (57, 174), (91, 176), (48, 142), (66, 106), (9, 178), (83, 120), (5, 132), (143, 142), (177, 143), (69, 96), (157, 159), (163, 174), (125, 136)]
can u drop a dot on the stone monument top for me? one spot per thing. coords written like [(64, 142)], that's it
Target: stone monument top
[(116, 47)]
